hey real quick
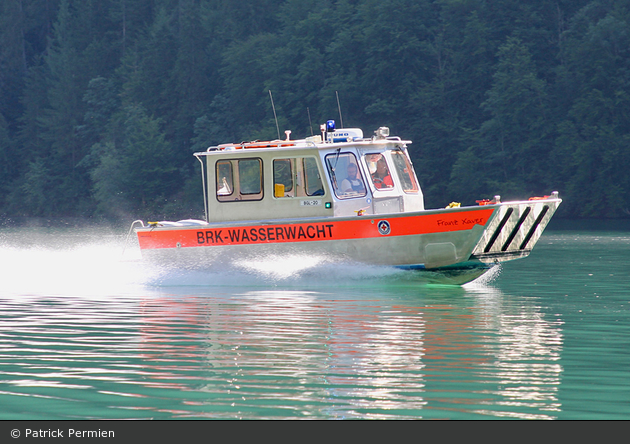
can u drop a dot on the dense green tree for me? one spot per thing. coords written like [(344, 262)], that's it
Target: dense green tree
[(193, 76), (592, 147), (13, 61), (137, 174), (6, 155), (514, 145), (444, 106), (102, 102), (243, 72), (66, 79)]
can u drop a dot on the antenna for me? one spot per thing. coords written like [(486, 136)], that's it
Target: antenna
[(310, 124), (274, 114), (339, 107)]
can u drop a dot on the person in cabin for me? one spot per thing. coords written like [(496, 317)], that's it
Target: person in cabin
[(353, 182), (381, 177)]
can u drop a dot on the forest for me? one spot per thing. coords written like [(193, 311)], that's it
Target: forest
[(103, 102)]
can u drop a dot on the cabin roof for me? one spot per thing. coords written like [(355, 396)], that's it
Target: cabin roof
[(328, 140)]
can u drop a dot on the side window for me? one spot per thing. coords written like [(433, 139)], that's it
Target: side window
[(405, 172), (379, 171), (282, 177), (225, 184), (314, 186), (250, 176), (239, 180), (297, 177), (346, 175)]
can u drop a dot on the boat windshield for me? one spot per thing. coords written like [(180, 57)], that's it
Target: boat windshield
[(379, 171), (346, 176), (405, 172)]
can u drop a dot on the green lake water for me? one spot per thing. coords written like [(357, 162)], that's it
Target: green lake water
[(89, 333)]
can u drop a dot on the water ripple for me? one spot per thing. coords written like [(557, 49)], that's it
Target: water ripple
[(120, 340)]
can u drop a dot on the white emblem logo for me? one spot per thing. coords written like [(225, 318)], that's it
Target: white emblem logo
[(383, 227)]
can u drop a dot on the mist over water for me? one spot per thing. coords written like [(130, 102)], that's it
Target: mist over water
[(70, 267), (90, 332)]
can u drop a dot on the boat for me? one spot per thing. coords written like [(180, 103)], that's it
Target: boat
[(344, 196)]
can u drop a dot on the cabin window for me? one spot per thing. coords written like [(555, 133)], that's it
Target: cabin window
[(250, 176), (379, 171), (314, 186), (239, 180), (346, 175), (405, 172), (225, 184), (297, 177), (283, 177)]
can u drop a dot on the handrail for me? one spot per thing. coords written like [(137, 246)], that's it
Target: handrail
[(129, 234), (204, 188)]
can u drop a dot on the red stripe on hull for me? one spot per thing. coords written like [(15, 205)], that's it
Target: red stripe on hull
[(324, 230)]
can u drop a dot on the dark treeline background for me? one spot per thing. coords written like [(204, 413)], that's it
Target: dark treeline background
[(102, 102)]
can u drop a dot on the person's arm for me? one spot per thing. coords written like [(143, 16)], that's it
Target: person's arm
[(346, 186)]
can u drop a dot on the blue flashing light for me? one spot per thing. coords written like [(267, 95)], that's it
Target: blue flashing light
[(330, 126)]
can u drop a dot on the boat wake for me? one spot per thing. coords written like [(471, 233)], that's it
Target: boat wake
[(306, 270), (290, 270), (101, 270)]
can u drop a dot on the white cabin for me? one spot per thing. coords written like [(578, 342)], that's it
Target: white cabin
[(338, 174)]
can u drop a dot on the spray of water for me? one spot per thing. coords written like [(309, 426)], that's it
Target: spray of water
[(80, 270), (83, 267), (487, 278)]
